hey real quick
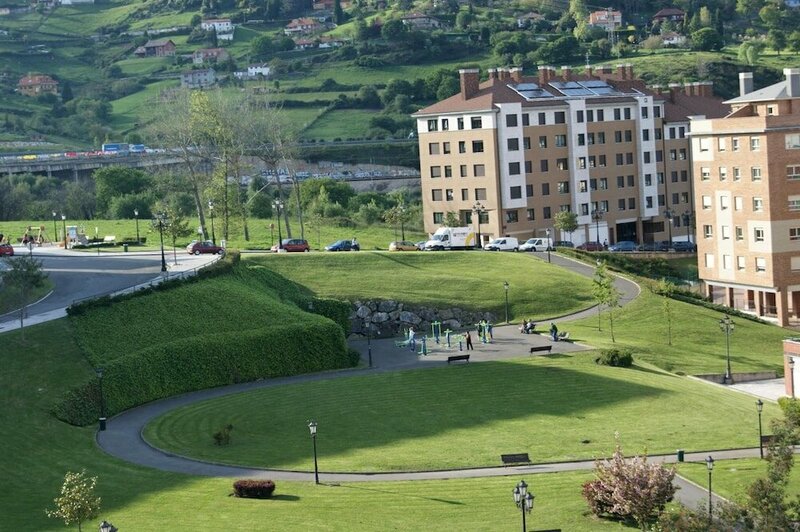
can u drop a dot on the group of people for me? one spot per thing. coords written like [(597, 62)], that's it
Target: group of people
[(527, 327)]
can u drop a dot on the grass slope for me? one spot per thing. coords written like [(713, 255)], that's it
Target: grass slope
[(731, 478), (465, 279)]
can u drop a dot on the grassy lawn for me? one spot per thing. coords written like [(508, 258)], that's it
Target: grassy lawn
[(340, 124), (731, 478), (565, 408), (463, 279), (7, 305), (137, 108)]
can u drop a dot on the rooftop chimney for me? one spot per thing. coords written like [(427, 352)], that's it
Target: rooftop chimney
[(589, 71), (792, 81), (516, 74), (745, 83), (566, 73), (492, 73), (629, 70), (469, 82), (621, 72), (544, 74), (502, 74), (707, 89), (674, 88)]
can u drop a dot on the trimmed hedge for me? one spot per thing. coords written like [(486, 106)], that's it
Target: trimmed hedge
[(333, 309), (192, 363), (253, 489), (618, 358)]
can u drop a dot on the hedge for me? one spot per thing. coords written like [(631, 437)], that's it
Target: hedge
[(196, 363), (253, 489)]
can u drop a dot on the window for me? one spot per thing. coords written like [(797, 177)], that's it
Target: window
[(562, 164), (601, 137), (738, 203), (704, 143), (545, 189), (563, 187), (758, 234), (723, 173), (463, 170), (462, 146), (513, 168), (675, 198), (659, 134), (761, 264), (477, 146), (758, 205), (662, 200), (543, 165), (629, 158), (709, 260), (445, 124), (739, 231), (512, 216), (648, 201), (592, 161), (603, 183), (620, 181), (627, 113), (793, 171), (476, 122), (583, 185), (438, 217), (526, 119), (659, 156), (542, 141), (542, 119), (684, 175), (793, 141), (725, 232), (464, 194), (528, 167), (579, 117), (584, 209), (478, 170), (722, 144), (737, 173), (433, 148), (631, 181), (735, 143), (620, 159), (705, 174), (755, 143), (647, 156), (794, 233), (673, 155), (628, 135), (582, 163), (511, 120), (657, 111), (480, 194), (672, 132), (682, 154), (448, 171), (526, 143), (621, 204), (755, 173), (682, 132), (648, 180), (645, 135), (618, 136), (601, 161), (794, 203), (617, 114), (631, 203), (529, 190), (561, 140), (513, 144), (445, 147), (546, 213), (564, 208), (436, 171), (590, 139), (432, 125), (448, 194), (560, 117), (590, 115), (740, 262), (604, 205), (674, 176), (531, 215), (436, 194), (724, 203), (708, 231), (684, 197), (706, 202), (770, 110), (460, 122), (645, 112)]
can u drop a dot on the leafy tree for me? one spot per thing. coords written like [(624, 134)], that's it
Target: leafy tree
[(747, 8), (566, 222), (771, 16), (666, 289), (394, 30), (338, 12), (447, 88), (749, 51), (794, 41), (605, 293), (451, 219), (196, 20), (66, 92), (777, 40), (77, 501), (24, 274), (707, 39), (115, 181)]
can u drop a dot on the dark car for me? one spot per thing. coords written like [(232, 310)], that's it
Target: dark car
[(623, 245), (682, 246), (7, 250), (292, 245), (343, 245), (563, 244), (590, 246), (204, 246), (662, 245)]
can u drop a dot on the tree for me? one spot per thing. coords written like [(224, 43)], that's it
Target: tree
[(24, 274), (666, 289), (794, 41), (605, 293), (338, 13), (451, 219), (749, 51), (566, 222), (777, 40), (394, 30), (707, 39), (114, 181), (77, 501)]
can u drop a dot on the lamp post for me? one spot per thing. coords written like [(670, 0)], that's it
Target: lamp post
[(55, 229), (369, 341), (668, 214), (597, 215), (478, 209), (505, 287), (726, 325), (760, 407), (524, 501), (791, 374), (64, 227), (105, 526), (402, 211), (102, 418), (687, 219), (710, 466), (136, 217), (211, 213), (547, 232), (278, 204), (312, 428), (160, 222)]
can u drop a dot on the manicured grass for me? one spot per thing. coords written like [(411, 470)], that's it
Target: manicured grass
[(731, 478), (7, 305), (559, 408), (340, 124), (465, 279)]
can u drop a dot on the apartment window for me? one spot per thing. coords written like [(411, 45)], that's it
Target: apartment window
[(448, 171), (546, 213), (645, 135), (603, 183), (529, 190), (513, 168), (511, 120), (512, 216), (542, 119), (564, 208), (445, 148), (657, 111), (682, 154), (738, 203), (737, 173), (590, 115), (561, 141), (675, 198), (462, 146), (704, 143), (445, 124), (708, 231), (526, 143), (528, 167), (478, 170), (531, 215), (560, 117), (601, 137), (516, 192), (464, 194), (723, 173), (684, 175), (672, 132), (562, 164), (629, 158), (618, 136), (628, 135), (674, 176), (582, 163), (722, 144), (662, 200), (631, 203), (647, 156), (648, 202), (673, 155), (709, 260), (477, 146), (620, 159), (617, 114), (740, 262), (480, 194), (794, 203), (770, 110), (592, 161), (583, 185), (545, 189), (631, 181), (433, 148), (448, 194), (476, 122), (725, 232), (584, 209), (758, 205), (438, 217), (543, 165), (755, 173), (436, 171), (645, 112), (793, 171), (761, 264), (512, 144), (755, 143), (659, 156), (793, 141), (620, 181), (758, 234), (543, 141), (705, 174), (436, 194), (682, 132), (794, 233), (589, 138), (604, 205), (526, 119), (563, 187), (463, 170), (735, 144), (593, 184), (658, 134), (621, 204), (627, 113), (433, 125), (460, 122), (579, 117), (706, 202), (739, 232)]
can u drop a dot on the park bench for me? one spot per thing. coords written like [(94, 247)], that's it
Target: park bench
[(540, 348), (109, 239), (563, 337), (453, 358), (518, 458)]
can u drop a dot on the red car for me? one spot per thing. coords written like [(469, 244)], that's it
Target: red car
[(6, 250), (203, 246), (590, 246), (292, 245)]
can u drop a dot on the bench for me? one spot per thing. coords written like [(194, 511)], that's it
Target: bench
[(109, 239), (541, 348), (518, 458), (563, 337), (453, 358)]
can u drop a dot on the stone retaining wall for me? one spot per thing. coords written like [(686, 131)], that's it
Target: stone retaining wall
[(390, 318), (739, 378)]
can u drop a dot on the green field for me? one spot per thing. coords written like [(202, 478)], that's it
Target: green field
[(730, 478), (340, 124)]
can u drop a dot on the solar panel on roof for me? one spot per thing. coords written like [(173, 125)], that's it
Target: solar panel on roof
[(577, 92), (590, 83), (526, 86)]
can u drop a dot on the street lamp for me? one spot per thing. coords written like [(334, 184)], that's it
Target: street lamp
[(505, 287), (211, 213), (105, 526), (668, 214), (710, 466), (102, 418), (369, 341), (160, 222), (687, 219), (597, 215), (791, 374), (55, 229), (760, 407), (312, 428), (479, 209), (726, 325), (402, 211), (524, 500), (136, 217), (278, 204), (547, 232), (64, 227)]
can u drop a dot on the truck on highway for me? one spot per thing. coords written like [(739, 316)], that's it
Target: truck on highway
[(115, 148), (449, 238)]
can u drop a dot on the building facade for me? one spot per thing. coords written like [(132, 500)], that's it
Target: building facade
[(515, 151), (198, 79), (37, 85), (747, 168)]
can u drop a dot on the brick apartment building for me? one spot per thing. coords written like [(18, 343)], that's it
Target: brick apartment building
[(596, 143), (747, 168)]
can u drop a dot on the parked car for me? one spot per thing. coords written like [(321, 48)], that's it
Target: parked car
[(623, 245), (197, 247), (6, 250), (343, 245), (403, 245), (590, 246), (563, 244), (662, 245), (505, 243), (682, 246), (421, 245), (536, 244), (292, 245)]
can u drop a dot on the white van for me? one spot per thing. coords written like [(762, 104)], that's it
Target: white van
[(505, 243), (537, 244)]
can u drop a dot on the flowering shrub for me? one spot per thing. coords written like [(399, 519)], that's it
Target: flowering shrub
[(253, 489)]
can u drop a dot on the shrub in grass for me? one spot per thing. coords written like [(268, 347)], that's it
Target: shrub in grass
[(253, 489), (619, 358), (223, 435)]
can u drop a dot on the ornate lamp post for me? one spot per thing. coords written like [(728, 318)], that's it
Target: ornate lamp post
[(710, 466), (102, 418), (547, 232), (505, 287), (55, 229), (726, 325), (211, 213), (105, 526), (478, 209), (136, 217), (760, 407), (160, 222), (687, 220), (524, 501), (278, 204), (402, 211), (597, 215), (64, 227), (669, 215), (366, 324), (312, 428), (791, 373)]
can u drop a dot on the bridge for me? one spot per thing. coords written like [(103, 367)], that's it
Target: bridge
[(62, 165)]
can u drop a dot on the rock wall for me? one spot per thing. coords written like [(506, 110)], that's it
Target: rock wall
[(390, 318)]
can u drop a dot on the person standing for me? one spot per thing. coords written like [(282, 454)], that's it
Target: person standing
[(554, 331), (412, 339), (469, 342)]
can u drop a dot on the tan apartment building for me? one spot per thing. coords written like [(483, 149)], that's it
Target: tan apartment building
[(747, 168), (597, 143)]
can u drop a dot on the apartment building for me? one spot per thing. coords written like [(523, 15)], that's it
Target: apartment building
[(517, 150), (747, 167)]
